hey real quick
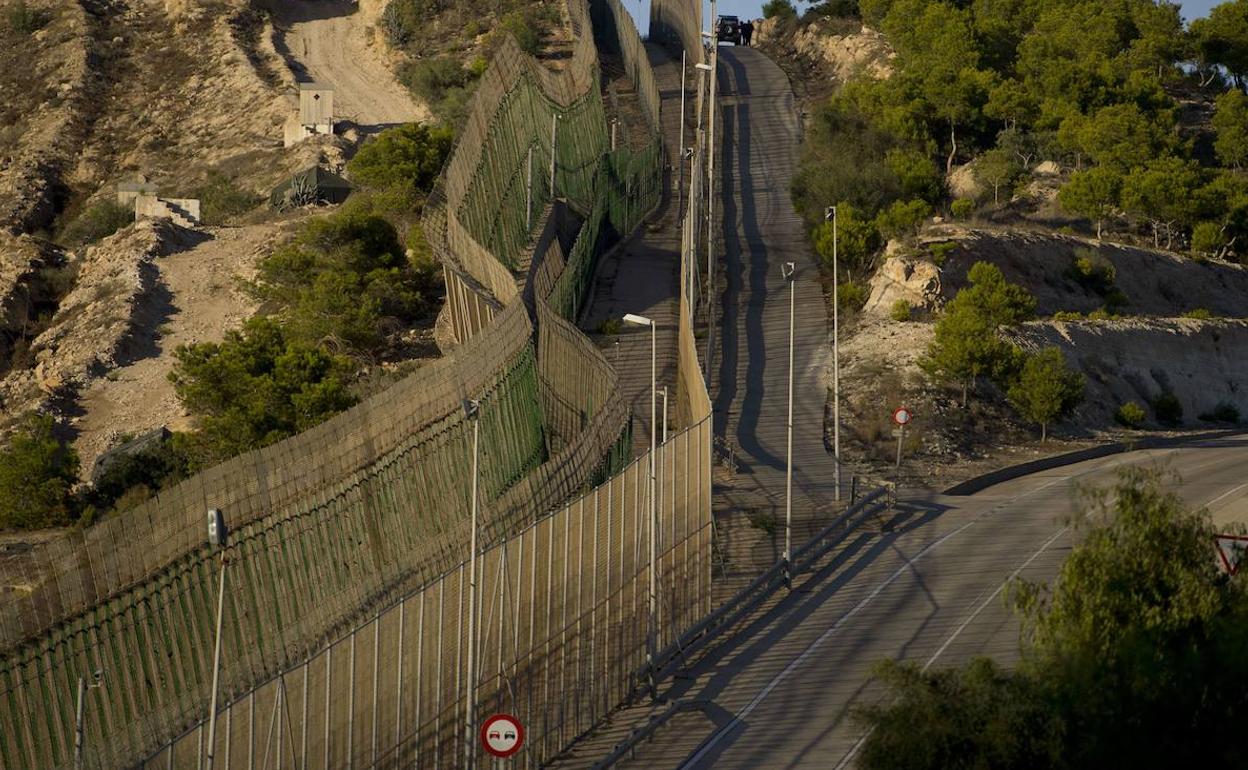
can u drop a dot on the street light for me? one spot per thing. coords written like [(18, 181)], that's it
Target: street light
[(472, 413), (218, 537), (789, 271), (80, 725), (640, 320), (829, 215)]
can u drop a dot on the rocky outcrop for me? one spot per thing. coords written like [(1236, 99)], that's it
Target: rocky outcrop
[(914, 280), (860, 53), (95, 324), (1200, 362)]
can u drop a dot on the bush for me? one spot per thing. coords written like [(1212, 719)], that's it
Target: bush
[(900, 311), (95, 223), (431, 79), (1093, 272), (1199, 314), (902, 219), (856, 241), (1068, 315), (1168, 409), (850, 297), (339, 281), (779, 9), (252, 389), (24, 20), (1223, 412), (1130, 415), (940, 252), (220, 200), (610, 326), (962, 208), (409, 156), (37, 474), (524, 29), (1208, 239)]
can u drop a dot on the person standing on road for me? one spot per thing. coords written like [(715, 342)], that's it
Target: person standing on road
[(747, 31)]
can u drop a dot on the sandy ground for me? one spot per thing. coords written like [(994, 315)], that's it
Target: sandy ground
[(199, 300), (333, 42)]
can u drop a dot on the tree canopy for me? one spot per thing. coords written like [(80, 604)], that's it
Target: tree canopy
[(1135, 656)]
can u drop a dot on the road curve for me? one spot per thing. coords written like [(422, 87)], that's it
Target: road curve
[(779, 694)]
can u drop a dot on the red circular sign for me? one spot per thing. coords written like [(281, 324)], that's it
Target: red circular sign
[(902, 416), (502, 735)]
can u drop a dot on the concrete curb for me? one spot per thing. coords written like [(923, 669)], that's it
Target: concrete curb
[(982, 482)]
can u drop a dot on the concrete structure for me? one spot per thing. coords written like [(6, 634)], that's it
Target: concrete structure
[(128, 191), (182, 211), (316, 114)]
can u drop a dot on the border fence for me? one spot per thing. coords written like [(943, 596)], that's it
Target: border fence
[(345, 621)]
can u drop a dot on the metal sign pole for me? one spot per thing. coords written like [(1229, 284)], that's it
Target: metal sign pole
[(472, 411), (788, 270)]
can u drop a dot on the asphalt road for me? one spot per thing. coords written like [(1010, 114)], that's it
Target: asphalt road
[(779, 694), (760, 131)]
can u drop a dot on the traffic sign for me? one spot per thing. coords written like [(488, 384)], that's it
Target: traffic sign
[(1231, 550), (902, 416), (502, 735)]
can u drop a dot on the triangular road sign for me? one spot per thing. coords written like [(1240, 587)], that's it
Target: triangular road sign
[(1231, 549)]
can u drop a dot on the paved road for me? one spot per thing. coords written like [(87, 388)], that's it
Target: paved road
[(761, 232), (779, 694)]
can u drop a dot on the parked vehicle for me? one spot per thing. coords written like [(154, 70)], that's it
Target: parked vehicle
[(729, 29)]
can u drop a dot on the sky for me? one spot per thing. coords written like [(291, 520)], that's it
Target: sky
[(1192, 9)]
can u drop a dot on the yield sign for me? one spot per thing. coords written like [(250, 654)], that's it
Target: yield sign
[(1231, 550)]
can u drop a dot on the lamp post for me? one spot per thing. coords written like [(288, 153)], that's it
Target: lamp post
[(217, 538), (789, 271), (80, 723), (830, 215), (472, 412), (639, 320)]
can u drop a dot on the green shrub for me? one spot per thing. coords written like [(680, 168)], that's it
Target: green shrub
[(962, 208), (1223, 412), (1208, 239), (523, 28), (850, 297), (779, 9), (221, 200), (1168, 409), (431, 79), (342, 280), (1068, 315), (900, 311), (610, 326), (37, 475), (95, 223), (940, 252), (25, 20), (902, 218), (252, 389), (134, 478), (856, 240), (1093, 272), (409, 156), (1199, 314), (1130, 415)]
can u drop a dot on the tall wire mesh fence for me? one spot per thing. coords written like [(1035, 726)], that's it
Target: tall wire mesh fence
[(564, 633), (331, 525)]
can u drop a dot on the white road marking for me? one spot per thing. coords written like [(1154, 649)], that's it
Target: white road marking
[(958, 631), (815, 645), (1223, 496)]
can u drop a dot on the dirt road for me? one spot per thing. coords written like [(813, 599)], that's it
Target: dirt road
[(332, 41)]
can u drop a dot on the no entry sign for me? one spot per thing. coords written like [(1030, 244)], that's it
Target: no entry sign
[(502, 735)]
